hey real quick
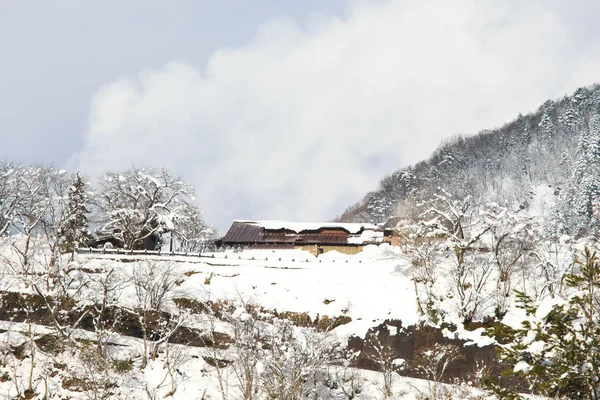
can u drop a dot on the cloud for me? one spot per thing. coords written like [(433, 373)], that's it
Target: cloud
[(308, 116)]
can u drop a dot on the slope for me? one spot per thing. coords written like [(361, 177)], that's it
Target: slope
[(554, 150)]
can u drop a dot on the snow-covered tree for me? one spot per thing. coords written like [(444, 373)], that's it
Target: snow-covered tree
[(34, 211), (9, 194), (558, 347), (294, 365), (190, 232), (74, 230), (141, 204), (584, 187), (510, 165), (547, 124), (32, 199)]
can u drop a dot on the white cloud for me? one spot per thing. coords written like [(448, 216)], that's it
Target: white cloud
[(303, 120)]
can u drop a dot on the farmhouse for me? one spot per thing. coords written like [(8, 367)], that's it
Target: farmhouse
[(316, 237)]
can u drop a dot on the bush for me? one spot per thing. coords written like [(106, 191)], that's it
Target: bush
[(123, 365)]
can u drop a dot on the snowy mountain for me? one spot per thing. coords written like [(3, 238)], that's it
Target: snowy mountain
[(546, 163)]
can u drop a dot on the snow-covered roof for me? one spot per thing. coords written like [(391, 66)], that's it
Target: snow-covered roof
[(297, 227), (367, 236)]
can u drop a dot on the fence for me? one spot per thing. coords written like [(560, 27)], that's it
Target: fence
[(90, 250), (223, 256)]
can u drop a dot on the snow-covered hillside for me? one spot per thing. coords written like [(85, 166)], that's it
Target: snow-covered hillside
[(220, 290), (553, 151)]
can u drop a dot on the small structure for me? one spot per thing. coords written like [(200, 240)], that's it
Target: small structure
[(390, 230), (315, 237)]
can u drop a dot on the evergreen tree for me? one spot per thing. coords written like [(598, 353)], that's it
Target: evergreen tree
[(547, 124), (558, 348), (585, 182), (74, 231)]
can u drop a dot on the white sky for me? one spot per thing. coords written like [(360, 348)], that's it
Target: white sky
[(277, 109)]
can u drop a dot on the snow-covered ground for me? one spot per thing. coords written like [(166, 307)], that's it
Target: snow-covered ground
[(370, 287)]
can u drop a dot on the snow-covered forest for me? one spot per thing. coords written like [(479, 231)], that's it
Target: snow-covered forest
[(134, 209), (551, 155)]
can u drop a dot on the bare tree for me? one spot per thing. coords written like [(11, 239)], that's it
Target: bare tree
[(432, 363), (469, 277), (153, 282), (554, 259), (295, 362), (190, 233), (108, 287), (33, 206), (10, 197), (94, 373), (424, 276), (382, 353), (457, 226), (56, 189), (175, 356)]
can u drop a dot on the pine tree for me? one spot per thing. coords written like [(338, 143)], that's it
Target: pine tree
[(558, 348), (74, 232), (547, 125), (585, 182)]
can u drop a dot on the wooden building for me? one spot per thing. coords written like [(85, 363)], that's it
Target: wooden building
[(319, 237)]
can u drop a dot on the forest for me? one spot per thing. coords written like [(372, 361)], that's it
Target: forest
[(141, 208), (555, 150)]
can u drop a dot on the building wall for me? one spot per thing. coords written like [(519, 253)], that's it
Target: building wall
[(350, 250)]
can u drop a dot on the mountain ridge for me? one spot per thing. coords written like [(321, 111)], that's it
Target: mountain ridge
[(557, 146)]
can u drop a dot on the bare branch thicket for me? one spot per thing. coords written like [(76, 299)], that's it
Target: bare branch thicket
[(296, 361), (222, 375), (275, 359), (153, 282), (175, 357), (93, 373), (423, 244), (470, 275), (383, 354), (349, 381), (509, 252), (432, 363), (108, 287), (27, 263), (249, 336), (424, 276), (29, 366), (554, 260)]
